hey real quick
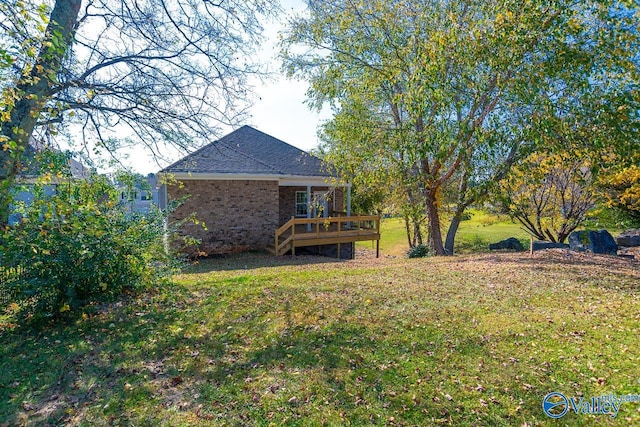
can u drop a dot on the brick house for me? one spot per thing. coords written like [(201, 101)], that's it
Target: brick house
[(248, 185)]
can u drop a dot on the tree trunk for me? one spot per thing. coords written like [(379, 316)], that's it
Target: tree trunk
[(417, 233), (451, 232), (435, 235), (34, 91), (408, 230)]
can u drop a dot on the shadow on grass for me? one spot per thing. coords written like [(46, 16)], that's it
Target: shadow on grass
[(156, 352), (53, 374), (254, 260), (167, 353)]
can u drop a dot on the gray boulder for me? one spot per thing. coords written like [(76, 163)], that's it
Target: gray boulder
[(511, 244), (539, 245), (597, 242), (629, 238)]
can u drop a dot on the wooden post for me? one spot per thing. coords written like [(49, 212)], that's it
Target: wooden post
[(339, 221), (277, 250), (348, 204), (530, 244), (377, 223), (293, 240)]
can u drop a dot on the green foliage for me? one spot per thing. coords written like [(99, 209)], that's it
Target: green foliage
[(419, 251), (441, 98), (466, 216), (78, 245)]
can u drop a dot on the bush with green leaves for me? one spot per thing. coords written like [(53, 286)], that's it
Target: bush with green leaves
[(78, 246), (419, 251)]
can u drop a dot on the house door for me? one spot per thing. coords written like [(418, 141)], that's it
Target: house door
[(319, 205)]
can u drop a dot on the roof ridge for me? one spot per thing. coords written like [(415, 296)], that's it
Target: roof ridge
[(213, 144), (249, 150), (303, 152)]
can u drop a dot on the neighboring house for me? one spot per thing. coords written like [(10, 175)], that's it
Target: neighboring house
[(248, 185), (31, 173), (142, 196)]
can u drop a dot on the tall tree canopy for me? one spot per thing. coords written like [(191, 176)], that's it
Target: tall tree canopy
[(156, 70), (449, 94)]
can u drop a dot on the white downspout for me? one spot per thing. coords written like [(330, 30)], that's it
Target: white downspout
[(309, 207)]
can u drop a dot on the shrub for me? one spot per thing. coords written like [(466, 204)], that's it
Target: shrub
[(466, 216), (78, 246), (419, 251)]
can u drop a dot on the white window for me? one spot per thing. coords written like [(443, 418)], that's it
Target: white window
[(302, 203)]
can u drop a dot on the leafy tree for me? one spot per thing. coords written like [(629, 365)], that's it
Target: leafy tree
[(161, 71), (550, 195), (449, 95)]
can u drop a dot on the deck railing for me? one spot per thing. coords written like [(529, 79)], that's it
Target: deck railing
[(299, 232)]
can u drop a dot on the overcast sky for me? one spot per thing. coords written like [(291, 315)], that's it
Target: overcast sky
[(278, 109)]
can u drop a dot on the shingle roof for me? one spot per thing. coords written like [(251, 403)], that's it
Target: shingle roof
[(249, 151)]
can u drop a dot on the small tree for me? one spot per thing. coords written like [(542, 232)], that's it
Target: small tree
[(549, 195)]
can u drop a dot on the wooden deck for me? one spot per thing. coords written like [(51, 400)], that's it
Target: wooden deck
[(300, 232)]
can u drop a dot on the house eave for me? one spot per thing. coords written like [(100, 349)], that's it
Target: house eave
[(283, 180)]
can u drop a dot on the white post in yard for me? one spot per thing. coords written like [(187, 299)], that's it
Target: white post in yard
[(309, 207), (163, 203)]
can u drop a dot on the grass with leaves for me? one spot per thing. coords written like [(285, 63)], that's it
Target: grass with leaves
[(474, 234), (257, 340)]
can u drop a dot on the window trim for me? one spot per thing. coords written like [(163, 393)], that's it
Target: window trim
[(303, 205)]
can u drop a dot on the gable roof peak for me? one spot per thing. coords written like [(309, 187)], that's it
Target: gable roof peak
[(247, 150)]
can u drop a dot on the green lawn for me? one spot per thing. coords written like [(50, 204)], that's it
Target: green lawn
[(474, 235), (257, 340)]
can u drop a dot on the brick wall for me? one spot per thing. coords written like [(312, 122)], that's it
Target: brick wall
[(340, 200), (287, 201), (239, 215)]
